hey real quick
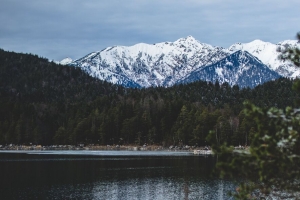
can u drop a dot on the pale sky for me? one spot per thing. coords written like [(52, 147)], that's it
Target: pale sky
[(73, 28)]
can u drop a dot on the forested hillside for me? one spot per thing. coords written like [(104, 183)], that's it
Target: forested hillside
[(45, 103)]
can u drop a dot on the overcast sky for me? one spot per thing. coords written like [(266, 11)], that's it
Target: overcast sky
[(57, 29)]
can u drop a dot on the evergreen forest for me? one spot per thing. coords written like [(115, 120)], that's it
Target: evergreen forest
[(45, 103)]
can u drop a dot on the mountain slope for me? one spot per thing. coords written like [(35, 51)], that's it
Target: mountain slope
[(268, 54), (160, 64), (34, 79), (240, 68)]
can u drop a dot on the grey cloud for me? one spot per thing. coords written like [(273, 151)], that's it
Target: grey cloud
[(56, 29)]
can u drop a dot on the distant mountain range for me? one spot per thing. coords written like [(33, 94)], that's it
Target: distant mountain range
[(187, 60)]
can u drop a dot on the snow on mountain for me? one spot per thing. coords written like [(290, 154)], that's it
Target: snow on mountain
[(240, 68), (160, 64), (66, 61), (268, 54), (164, 64)]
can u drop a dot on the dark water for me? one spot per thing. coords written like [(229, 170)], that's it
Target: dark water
[(109, 175)]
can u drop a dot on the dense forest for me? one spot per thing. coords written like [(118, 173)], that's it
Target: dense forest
[(45, 103)]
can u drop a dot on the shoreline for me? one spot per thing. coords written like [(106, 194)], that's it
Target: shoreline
[(194, 150)]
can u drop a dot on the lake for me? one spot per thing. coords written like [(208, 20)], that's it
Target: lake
[(109, 175)]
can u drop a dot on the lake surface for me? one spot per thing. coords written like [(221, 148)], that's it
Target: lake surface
[(109, 175)]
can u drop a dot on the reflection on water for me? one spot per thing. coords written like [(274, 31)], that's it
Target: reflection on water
[(109, 175), (156, 188)]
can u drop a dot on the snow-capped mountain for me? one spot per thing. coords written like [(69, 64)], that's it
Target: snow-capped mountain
[(166, 63), (240, 68), (268, 54), (66, 61), (160, 64)]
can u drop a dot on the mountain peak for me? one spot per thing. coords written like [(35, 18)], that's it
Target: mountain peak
[(257, 41), (187, 39), (66, 61), (190, 38)]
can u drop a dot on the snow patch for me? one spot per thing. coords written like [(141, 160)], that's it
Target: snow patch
[(219, 71)]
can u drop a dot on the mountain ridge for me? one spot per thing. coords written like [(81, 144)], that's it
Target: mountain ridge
[(165, 63), (160, 64)]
